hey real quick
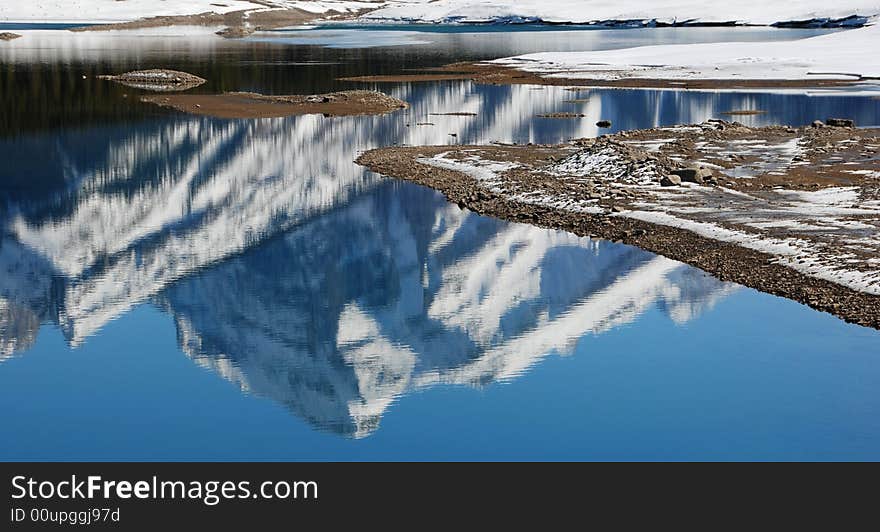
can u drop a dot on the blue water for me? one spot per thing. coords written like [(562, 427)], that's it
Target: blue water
[(184, 288), (11, 26)]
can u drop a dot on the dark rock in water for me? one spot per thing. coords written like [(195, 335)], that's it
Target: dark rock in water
[(840, 122), (603, 123), (671, 180), (817, 124), (693, 174)]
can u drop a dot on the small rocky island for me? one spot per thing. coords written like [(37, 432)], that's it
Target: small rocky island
[(157, 80)]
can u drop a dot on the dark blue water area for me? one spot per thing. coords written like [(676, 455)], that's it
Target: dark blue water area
[(11, 26), (757, 378), (184, 288)]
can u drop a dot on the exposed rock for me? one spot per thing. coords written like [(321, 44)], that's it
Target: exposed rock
[(817, 124), (670, 180), (693, 174), (7, 36), (603, 123)]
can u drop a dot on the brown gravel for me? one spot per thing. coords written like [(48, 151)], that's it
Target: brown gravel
[(725, 260), (252, 105)]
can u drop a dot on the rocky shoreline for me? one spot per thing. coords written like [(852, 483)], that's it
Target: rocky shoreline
[(793, 212)]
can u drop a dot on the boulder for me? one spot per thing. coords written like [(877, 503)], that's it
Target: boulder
[(671, 180), (603, 123), (817, 124), (693, 174)]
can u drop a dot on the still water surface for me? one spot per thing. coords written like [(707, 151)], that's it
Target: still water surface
[(176, 287)]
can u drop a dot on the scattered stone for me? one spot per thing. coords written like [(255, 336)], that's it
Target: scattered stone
[(670, 180), (7, 36), (603, 123), (617, 208), (693, 174), (817, 124)]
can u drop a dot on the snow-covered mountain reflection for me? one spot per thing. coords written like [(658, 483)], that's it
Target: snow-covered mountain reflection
[(298, 276), (398, 290)]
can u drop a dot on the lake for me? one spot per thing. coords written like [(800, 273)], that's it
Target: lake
[(185, 288)]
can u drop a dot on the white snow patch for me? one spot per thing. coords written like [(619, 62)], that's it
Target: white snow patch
[(847, 55), (487, 174)]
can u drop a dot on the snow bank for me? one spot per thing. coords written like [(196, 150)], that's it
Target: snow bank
[(844, 55), (591, 11)]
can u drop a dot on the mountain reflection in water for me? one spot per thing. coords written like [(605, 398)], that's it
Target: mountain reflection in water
[(300, 277)]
